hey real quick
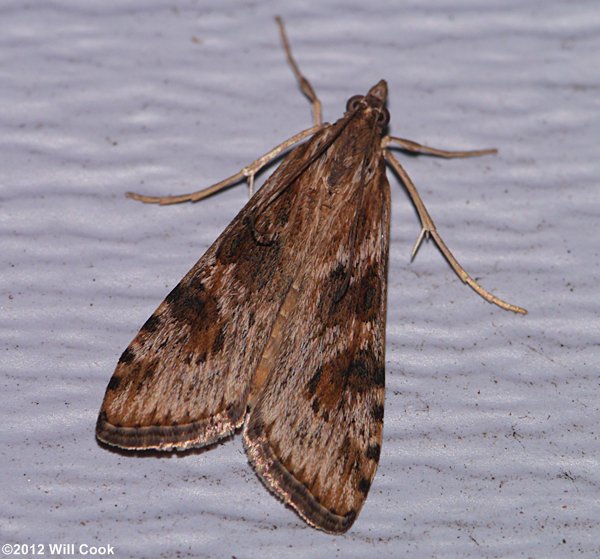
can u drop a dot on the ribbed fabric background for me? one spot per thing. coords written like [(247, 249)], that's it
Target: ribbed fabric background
[(491, 429)]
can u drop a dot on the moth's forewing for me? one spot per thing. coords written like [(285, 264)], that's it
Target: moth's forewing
[(185, 378), (314, 433)]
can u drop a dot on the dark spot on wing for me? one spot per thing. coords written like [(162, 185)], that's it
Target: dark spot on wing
[(152, 324), (377, 412), (373, 452), (229, 249), (346, 373), (369, 296), (364, 485), (201, 358), (311, 386), (174, 295), (339, 281), (379, 376), (127, 356), (190, 303), (114, 382), (218, 341), (254, 247), (193, 305), (365, 372), (332, 305)]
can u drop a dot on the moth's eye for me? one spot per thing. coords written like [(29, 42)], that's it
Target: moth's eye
[(383, 117), (353, 103)]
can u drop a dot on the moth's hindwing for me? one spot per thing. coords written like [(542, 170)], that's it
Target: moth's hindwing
[(185, 378), (315, 429)]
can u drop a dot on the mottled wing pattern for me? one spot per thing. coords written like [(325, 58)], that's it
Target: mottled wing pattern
[(184, 380), (314, 433)]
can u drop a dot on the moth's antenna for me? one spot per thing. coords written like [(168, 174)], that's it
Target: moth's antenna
[(302, 81)]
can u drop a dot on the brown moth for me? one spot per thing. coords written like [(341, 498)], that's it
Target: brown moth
[(280, 327)]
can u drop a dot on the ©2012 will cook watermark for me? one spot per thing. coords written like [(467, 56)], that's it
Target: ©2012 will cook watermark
[(58, 549)]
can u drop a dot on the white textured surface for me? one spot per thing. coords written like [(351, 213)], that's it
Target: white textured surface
[(491, 431)]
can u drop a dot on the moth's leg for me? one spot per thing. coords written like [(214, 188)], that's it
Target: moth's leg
[(302, 81), (413, 147), (247, 172), (428, 230)]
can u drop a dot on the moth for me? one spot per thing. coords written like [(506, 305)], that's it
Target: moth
[(279, 329)]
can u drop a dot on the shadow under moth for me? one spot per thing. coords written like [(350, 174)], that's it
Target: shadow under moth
[(279, 328)]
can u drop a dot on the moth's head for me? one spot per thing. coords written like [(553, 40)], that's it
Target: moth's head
[(372, 102)]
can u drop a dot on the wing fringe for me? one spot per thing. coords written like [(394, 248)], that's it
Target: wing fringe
[(196, 434)]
